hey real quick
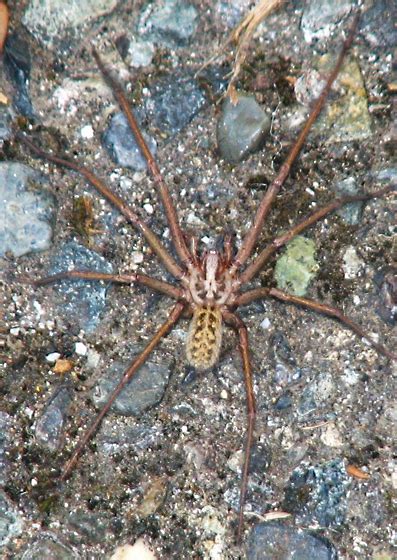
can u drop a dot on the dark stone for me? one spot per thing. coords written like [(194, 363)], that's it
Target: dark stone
[(18, 63), (49, 427), (318, 495), (146, 388), (174, 102), (122, 146), (241, 128)]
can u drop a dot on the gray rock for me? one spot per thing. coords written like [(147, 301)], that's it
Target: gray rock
[(50, 22), (145, 390), (6, 423), (274, 541), (49, 426), (318, 495), (5, 121), (350, 213), (11, 523), (121, 144), (27, 213), (320, 17), (241, 128), (83, 301), (171, 23), (377, 23), (388, 175), (316, 393), (140, 53), (89, 525), (174, 102), (138, 438), (49, 548)]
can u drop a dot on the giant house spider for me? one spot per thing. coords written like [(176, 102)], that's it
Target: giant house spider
[(209, 286)]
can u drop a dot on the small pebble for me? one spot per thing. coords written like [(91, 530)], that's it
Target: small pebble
[(139, 551), (49, 426), (351, 213), (265, 324), (80, 348), (140, 53), (11, 522), (53, 357), (122, 146), (148, 208), (171, 23), (87, 132), (352, 264), (320, 17), (241, 128)]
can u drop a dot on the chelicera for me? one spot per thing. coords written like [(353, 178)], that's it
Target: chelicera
[(210, 286)]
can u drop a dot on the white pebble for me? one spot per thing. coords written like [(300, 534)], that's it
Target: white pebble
[(53, 357), (137, 257), (265, 324), (148, 208), (80, 349), (15, 331), (87, 132), (140, 551)]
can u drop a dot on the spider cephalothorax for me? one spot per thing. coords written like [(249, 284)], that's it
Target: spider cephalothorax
[(210, 287)]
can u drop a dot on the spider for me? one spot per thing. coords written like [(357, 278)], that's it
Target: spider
[(209, 286)]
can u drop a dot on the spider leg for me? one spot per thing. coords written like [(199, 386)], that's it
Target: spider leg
[(253, 233), (258, 263), (153, 283), (153, 240), (334, 312), (129, 373), (237, 323), (176, 232)]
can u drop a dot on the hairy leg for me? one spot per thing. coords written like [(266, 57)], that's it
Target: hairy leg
[(136, 364), (252, 235), (153, 240), (257, 264), (152, 283), (236, 322), (176, 232), (326, 309)]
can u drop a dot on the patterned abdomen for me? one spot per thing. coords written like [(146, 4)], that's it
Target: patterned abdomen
[(204, 337)]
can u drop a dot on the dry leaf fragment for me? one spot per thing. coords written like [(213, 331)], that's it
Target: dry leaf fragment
[(4, 19), (62, 366), (352, 470)]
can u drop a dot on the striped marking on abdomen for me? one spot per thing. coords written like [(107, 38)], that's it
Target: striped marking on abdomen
[(204, 337)]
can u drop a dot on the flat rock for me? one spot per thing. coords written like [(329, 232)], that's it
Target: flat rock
[(27, 212)]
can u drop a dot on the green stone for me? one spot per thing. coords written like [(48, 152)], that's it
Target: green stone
[(297, 266)]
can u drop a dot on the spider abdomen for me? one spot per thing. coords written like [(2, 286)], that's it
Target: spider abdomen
[(204, 337)]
